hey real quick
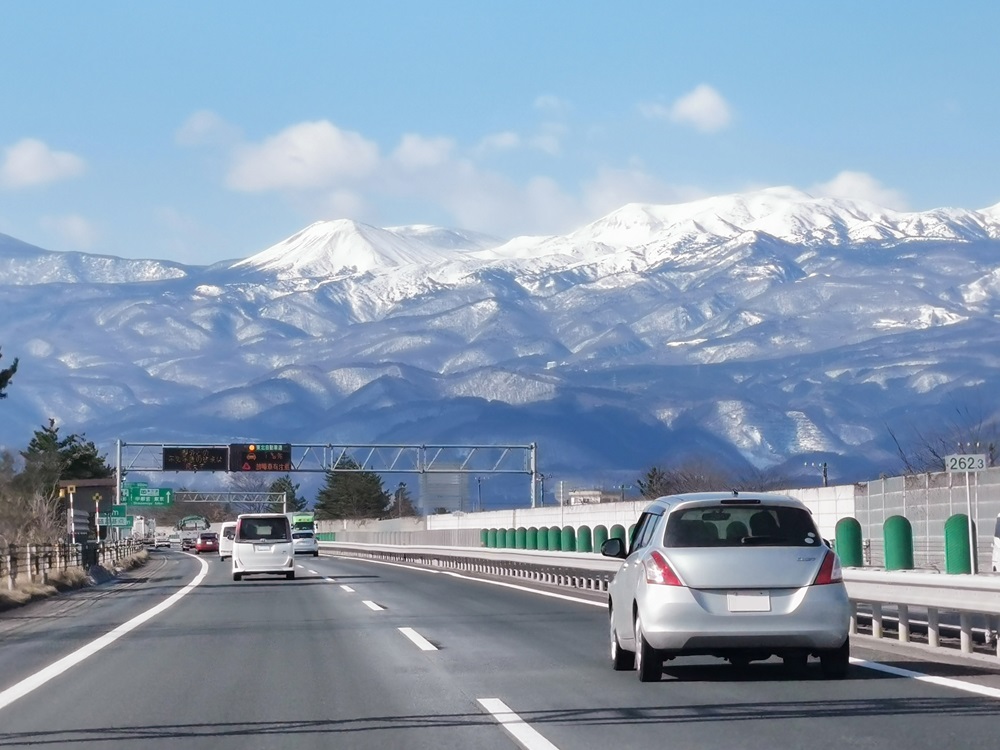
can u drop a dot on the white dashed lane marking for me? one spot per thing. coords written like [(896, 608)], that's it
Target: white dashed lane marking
[(422, 643)]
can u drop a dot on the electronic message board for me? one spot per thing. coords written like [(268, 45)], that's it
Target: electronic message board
[(195, 458), (260, 457)]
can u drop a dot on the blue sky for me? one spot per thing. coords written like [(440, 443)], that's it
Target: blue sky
[(203, 131)]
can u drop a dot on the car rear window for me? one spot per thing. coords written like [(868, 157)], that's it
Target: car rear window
[(302, 535), (734, 526), (271, 529), (209, 537), (229, 532)]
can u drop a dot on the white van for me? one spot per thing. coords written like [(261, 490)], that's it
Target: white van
[(227, 532), (996, 546), (263, 544)]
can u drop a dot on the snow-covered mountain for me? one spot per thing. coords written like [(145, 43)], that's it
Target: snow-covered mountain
[(771, 328)]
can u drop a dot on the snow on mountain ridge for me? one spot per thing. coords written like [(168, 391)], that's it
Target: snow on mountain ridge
[(334, 248)]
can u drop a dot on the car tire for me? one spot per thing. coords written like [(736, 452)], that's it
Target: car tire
[(621, 660), (315, 554), (836, 661), (648, 663), (237, 576), (290, 576)]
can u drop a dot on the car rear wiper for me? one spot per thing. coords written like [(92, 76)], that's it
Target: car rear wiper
[(762, 540)]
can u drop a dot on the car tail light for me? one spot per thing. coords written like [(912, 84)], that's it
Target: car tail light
[(829, 571), (659, 571)]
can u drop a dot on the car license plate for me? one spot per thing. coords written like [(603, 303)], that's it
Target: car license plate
[(749, 601), (262, 547)]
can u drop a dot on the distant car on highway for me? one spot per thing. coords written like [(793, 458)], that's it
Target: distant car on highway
[(207, 541), (304, 543), (162, 541), (741, 576)]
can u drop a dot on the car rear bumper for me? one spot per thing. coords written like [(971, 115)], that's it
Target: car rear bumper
[(680, 619)]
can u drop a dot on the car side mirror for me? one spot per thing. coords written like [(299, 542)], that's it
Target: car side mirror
[(614, 547)]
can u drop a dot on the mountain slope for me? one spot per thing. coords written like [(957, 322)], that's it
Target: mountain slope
[(767, 328)]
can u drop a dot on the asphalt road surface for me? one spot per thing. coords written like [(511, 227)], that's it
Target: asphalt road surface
[(357, 654)]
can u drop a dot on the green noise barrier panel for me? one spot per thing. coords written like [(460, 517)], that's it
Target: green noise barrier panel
[(531, 538), (511, 540), (555, 539), (957, 559), (600, 536), (898, 535), (568, 539), (618, 532), (584, 539), (543, 538), (848, 542), (491, 538), (520, 537)]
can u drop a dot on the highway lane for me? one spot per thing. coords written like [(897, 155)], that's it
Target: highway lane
[(31, 637), (321, 662)]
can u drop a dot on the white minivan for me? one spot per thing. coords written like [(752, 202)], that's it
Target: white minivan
[(996, 546), (226, 535), (263, 544)]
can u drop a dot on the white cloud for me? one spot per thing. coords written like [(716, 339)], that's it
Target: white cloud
[(499, 142), (613, 188), (206, 128), (304, 156), (31, 162), (346, 204), (552, 103), (861, 186), (73, 229), (703, 107), (416, 152)]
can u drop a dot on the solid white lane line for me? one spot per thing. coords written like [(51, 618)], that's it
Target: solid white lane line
[(55, 669), (372, 606), (525, 735), (968, 687), (422, 643), (347, 588), (314, 572)]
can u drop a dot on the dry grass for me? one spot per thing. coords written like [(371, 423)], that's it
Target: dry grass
[(60, 580)]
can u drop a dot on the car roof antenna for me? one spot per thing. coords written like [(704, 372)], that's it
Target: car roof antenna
[(736, 493)]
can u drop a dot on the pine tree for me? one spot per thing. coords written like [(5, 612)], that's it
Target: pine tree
[(293, 503), (350, 493), (5, 375), (50, 458)]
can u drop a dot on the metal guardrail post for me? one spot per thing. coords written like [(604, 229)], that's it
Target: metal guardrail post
[(933, 628)]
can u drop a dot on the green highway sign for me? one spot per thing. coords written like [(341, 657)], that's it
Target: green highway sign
[(122, 521), (151, 496)]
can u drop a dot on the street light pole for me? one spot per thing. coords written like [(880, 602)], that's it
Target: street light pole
[(479, 490)]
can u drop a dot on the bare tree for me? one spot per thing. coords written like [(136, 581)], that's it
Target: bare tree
[(967, 430)]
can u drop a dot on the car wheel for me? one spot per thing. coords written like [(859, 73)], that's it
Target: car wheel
[(621, 660), (648, 664), (836, 661), (315, 554), (237, 576), (290, 575)]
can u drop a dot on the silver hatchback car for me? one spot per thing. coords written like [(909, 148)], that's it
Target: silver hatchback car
[(741, 576)]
